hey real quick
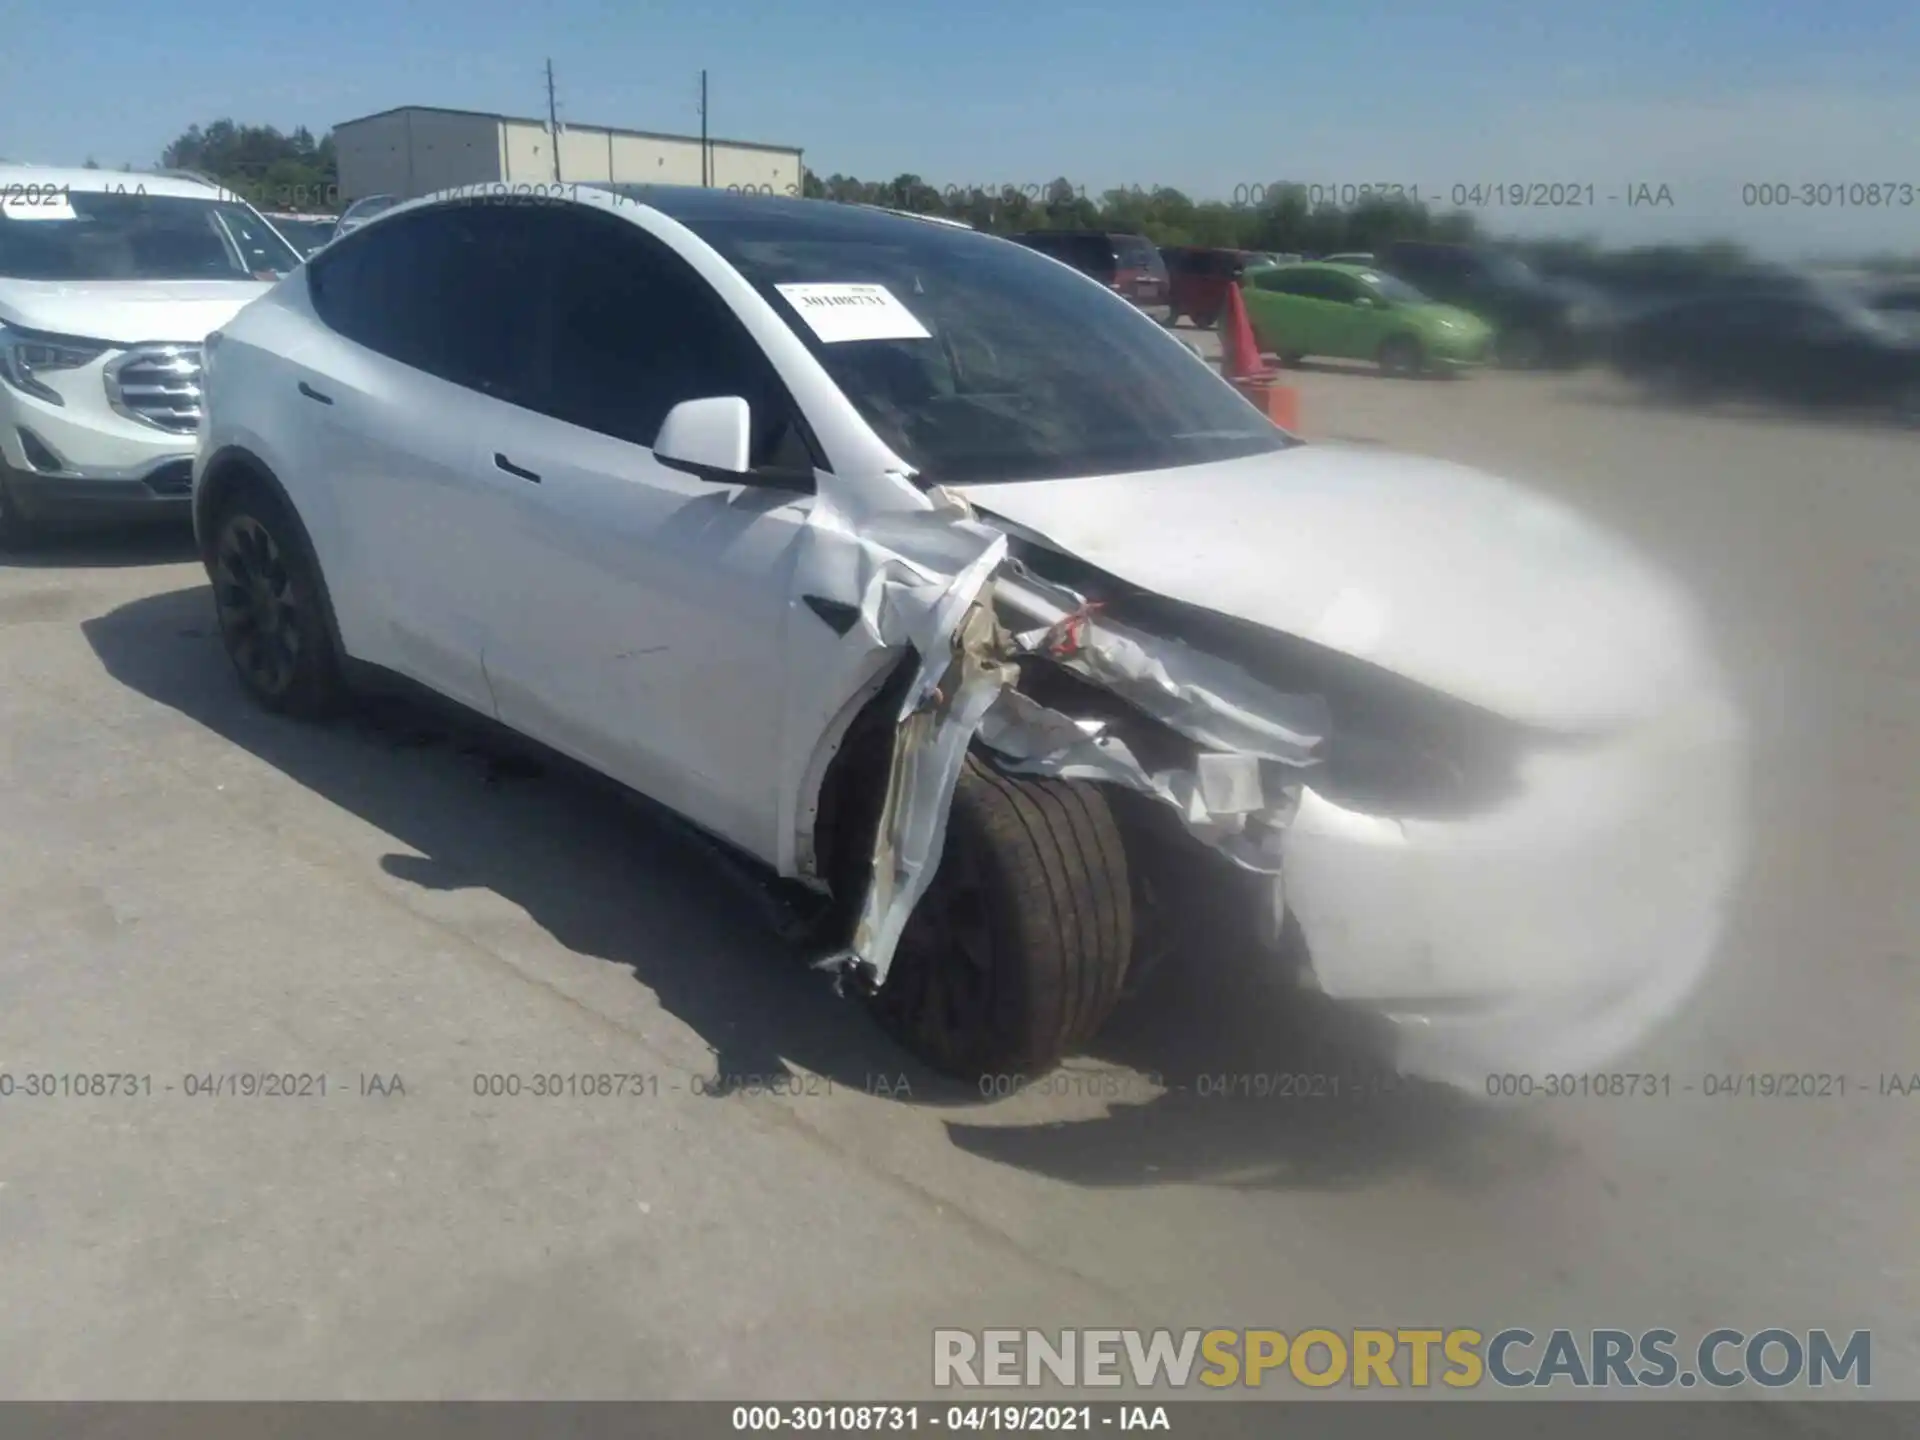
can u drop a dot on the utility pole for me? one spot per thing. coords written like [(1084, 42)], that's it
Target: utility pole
[(706, 161), (553, 121)]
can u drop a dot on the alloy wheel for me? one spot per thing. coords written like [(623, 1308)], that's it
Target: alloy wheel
[(258, 607)]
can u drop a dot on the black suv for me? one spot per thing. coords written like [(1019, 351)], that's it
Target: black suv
[(1129, 265), (1536, 322)]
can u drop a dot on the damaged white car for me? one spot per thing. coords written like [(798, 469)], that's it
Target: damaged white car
[(957, 597)]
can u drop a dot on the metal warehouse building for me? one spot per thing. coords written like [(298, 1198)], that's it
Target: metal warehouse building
[(418, 149)]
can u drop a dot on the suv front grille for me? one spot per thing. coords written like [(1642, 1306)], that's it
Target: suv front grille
[(158, 385)]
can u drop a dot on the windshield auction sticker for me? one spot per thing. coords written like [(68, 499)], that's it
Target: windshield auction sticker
[(838, 313)]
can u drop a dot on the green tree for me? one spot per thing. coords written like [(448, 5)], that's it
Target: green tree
[(271, 170)]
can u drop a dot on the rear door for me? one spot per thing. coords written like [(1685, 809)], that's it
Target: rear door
[(425, 301)]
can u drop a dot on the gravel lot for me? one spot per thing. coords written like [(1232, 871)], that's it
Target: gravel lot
[(188, 886)]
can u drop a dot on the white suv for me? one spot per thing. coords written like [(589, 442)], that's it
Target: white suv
[(934, 579), (108, 283)]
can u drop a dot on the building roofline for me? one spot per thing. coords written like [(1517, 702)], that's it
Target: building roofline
[(601, 129)]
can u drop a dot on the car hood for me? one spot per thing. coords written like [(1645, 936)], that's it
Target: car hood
[(126, 312), (1442, 574)]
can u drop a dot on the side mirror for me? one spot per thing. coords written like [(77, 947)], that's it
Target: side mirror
[(1365, 302), (709, 438)]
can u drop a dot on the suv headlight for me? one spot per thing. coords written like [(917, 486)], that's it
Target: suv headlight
[(24, 355)]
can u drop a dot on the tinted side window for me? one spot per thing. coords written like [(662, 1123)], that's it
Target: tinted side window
[(452, 291), (636, 331), (1340, 287), (359, 287), (488, 299), (1093, 254)]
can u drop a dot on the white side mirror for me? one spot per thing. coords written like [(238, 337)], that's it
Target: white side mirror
[(710, 438)]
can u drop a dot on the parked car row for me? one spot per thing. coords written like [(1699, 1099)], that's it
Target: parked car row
[(932, 584)]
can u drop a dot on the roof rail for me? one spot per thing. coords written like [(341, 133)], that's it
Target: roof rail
[(916, 215)]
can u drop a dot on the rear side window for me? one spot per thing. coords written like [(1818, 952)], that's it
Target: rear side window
[(1314, 284), (452, 291)]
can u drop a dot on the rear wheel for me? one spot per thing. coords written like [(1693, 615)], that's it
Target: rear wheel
[(268, 595), (1015, 956)]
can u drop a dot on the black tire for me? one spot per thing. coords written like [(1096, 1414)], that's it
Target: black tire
[(271, 604), (1402, 355), (1017, 953), (1207, 321), (1292, 358)]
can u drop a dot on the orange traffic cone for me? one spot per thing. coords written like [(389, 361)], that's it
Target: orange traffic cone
[(1243, 368), (1239, 351)]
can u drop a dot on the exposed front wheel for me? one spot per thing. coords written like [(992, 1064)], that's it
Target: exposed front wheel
[(267, 594), (1015, 956)]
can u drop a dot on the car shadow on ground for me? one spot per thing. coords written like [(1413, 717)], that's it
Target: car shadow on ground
[(1255, 1084), (1263, 1086), (98, 550), (1621, 394)]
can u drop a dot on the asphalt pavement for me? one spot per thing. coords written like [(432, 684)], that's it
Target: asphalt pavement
[(193, 894)]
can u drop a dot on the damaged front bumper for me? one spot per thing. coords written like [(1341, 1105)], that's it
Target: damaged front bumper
[(1551, 934), (1546, 932)]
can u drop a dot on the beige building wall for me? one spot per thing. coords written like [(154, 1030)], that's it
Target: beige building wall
[(415, 152)]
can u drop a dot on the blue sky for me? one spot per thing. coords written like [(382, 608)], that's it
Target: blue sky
[(1210, 95)]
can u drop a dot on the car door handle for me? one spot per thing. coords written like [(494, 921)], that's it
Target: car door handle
[(501, 462), (313, 394)]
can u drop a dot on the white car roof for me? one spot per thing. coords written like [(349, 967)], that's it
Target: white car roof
[(66, 178)]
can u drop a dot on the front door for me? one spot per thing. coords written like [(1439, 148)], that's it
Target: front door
[(640, 623)]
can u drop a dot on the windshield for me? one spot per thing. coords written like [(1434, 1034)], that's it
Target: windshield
[(98, 236), (306, 236), (1025, 371), (1393, 288), (1134, 253)]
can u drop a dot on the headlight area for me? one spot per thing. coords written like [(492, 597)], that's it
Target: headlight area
[(28, 356)]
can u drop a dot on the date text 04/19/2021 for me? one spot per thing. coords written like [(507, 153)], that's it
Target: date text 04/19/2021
[(1463, 195), (1747, 1084), (977, 1418)]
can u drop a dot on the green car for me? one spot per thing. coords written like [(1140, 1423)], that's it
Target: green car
[(1354, 312)]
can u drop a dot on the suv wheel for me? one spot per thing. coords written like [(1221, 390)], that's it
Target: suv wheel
[(269, 598), (1015, 956)]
